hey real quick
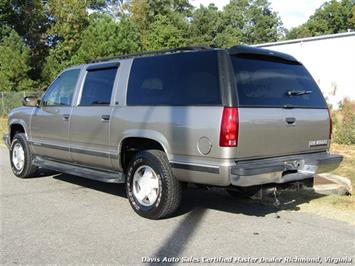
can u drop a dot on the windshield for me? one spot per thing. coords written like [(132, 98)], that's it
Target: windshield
[(274, 82)]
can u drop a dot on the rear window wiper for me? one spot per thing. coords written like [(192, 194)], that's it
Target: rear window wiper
[(298, 93)]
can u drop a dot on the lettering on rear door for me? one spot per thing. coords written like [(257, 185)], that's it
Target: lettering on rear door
[(319, 142)]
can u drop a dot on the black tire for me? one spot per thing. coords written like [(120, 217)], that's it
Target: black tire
[(244, 193), (169, 193), (28, 169)]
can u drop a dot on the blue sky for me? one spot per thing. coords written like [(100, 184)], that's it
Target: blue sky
[(292, 12)]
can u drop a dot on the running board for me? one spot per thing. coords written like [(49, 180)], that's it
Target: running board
[(94, 174)]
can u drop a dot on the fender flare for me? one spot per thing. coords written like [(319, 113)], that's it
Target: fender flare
[(20, 122), (147, 134)]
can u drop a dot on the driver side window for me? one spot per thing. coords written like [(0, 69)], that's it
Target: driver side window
[(60, 92)]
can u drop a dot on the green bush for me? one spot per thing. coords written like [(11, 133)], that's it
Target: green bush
[(344, 128)]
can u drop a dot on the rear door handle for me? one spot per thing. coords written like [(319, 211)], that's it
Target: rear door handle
[(290, 120), (105, 117), (66, 117)]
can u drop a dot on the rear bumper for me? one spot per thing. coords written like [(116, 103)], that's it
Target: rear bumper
[(282, 169), (6, 140)]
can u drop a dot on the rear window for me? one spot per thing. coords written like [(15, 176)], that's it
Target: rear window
[(98, 86), (273, 82), (176, 79)]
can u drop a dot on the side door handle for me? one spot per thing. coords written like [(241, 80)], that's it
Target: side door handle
[(66, 117), (105, 118), (290, 120)]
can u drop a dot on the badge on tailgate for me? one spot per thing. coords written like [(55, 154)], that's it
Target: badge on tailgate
[(318, 142)]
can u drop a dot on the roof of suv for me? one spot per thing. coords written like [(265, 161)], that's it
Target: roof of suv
[(238, 49), (244, 49)]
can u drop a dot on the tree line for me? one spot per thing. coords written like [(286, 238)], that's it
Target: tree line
[(39, 38)]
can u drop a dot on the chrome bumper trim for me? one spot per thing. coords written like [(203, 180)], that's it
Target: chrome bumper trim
[(282, 169)]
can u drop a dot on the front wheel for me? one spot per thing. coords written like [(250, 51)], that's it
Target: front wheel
[(21, 157), (152, 189)]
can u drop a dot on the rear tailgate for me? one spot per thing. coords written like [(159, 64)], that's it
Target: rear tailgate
[(281, 109), (265, 132)]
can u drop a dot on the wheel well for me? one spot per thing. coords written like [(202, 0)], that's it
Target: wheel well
[(14, 129), (131, 146)]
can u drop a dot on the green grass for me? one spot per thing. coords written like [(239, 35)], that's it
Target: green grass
[(3, 128), (347, 167), (336, 206)]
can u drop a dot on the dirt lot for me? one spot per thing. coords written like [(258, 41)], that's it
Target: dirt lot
[(335, 206), (347, 167)]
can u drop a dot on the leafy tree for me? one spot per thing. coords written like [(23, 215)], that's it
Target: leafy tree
[(29, 19), (250, 21), (332, 17), (352, 18), (205, 25), (113, 8), (263, 25), (58, 33), (301, 31), (165, 7), (69, 19), (105, 37), (345, 129), (163, 34), (145, 13), (4, 31), (228, 37), (14, 63), (140, 15)]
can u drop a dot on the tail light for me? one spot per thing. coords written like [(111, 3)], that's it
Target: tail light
[(229, 127), (330, 124)]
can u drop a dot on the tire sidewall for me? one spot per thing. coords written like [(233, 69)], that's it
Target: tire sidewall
[(18, 139), (155, 209)]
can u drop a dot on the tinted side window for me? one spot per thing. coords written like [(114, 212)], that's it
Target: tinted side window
[(98, 86), (61, 91), (267, 81), (177, 79)]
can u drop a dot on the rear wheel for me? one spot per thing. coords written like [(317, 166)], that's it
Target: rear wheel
[(152, 189), (21, 157)]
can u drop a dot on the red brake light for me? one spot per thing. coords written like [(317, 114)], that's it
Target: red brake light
[(229, 127), (330, 124)]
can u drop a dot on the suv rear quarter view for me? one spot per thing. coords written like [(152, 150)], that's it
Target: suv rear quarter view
[(237, 118)]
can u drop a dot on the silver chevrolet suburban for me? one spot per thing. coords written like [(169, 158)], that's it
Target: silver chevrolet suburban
[(237, 118)]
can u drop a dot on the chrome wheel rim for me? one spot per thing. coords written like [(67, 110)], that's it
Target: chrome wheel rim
[(18, 157), (145, 185)]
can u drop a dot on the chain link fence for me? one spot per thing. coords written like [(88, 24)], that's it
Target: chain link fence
[(8, 101)]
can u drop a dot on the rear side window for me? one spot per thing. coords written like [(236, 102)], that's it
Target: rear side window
[(177, 79), (98, 86), (272, 82)]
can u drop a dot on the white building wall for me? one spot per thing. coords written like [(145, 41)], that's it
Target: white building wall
[(330, 60)]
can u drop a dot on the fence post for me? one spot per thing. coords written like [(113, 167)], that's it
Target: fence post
[(2, 103)]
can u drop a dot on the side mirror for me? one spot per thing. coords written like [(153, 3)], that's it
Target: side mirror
[(31, 101)]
